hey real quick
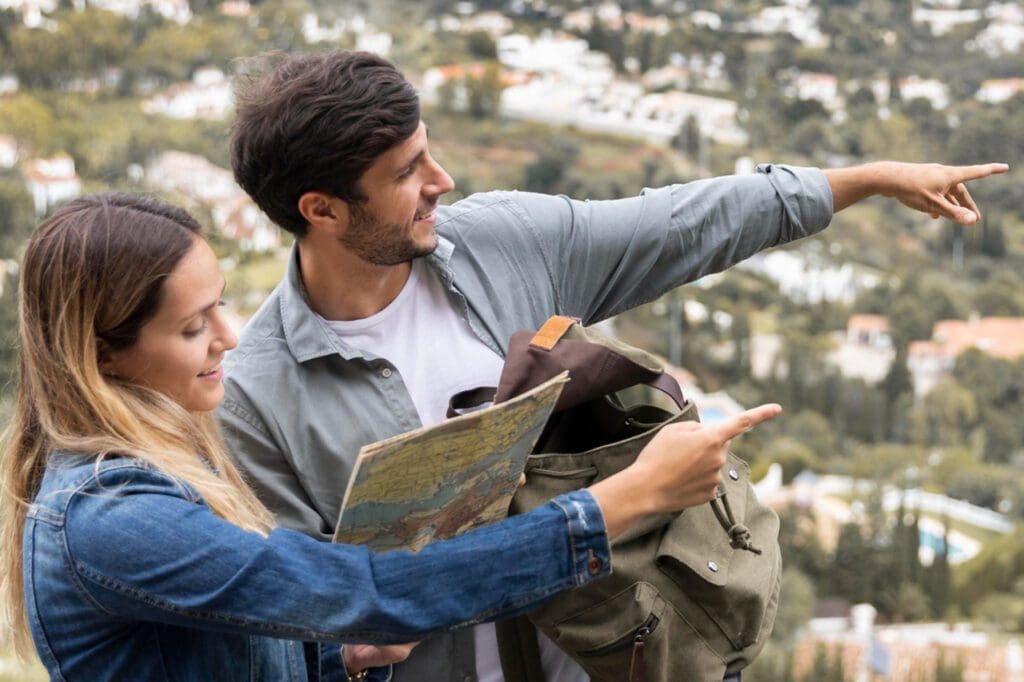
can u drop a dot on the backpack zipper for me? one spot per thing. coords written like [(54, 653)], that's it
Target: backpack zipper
[(638, 636), (637, 665)]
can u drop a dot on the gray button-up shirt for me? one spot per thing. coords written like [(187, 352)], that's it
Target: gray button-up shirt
[(300, 403)]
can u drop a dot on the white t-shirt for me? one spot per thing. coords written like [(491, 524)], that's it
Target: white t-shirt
[(438, 355)]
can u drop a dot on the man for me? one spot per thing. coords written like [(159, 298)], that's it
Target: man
[(392, 303)]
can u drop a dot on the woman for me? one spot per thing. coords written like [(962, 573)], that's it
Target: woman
[(133, 549)]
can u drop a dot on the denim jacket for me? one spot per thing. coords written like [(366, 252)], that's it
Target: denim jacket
[(129, 575)]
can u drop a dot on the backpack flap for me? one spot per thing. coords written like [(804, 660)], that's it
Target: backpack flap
[(736, 589), (597, 365)]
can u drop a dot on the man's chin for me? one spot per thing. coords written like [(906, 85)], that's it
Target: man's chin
[(423, 246)]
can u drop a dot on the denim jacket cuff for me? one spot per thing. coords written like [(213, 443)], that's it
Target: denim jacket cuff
[(588, 538)]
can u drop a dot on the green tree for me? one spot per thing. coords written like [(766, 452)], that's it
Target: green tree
[(813, 430), (792, 455), (30, 121), (483, 92), (951, 411), (854, 559), (15, 225), (83, 46), (949, 671), (548, 173), (480, 45), (827, 665), (1002, 295), (169, 52), (8, 338), (16, 216), (912, 603), (937, 579)]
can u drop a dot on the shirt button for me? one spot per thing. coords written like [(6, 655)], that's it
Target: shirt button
[(734, 475), (386, 372), (713, 566), (593, 563)]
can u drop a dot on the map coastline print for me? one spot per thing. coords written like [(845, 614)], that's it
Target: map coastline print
[(439, 481)]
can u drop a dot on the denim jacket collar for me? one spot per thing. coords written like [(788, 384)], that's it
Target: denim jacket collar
[(305, 332)]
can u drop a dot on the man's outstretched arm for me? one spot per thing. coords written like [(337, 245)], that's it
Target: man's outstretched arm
[(927, 187)]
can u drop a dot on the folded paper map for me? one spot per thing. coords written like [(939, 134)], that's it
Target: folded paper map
[(438, 481)]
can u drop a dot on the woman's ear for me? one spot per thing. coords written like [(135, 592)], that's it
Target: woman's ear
[(105, 359)]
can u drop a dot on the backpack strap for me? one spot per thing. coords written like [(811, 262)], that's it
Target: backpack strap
[(471, 399), (552, 331), (518, 650)]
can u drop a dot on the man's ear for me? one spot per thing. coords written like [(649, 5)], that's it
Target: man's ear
[(324, 212)]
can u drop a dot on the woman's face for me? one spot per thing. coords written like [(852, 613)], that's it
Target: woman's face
[(179, 351)]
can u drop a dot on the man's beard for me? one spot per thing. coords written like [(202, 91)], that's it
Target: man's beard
[(378, 242)]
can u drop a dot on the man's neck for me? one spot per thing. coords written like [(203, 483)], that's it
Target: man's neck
[(342, 286)]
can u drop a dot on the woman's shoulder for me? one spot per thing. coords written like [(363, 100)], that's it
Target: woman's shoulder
[(98, 480)]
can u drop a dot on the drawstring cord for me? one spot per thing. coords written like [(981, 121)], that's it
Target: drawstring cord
[(739, 535)]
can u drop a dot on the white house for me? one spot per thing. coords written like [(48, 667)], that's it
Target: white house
[(942, 21), (799, 22), (377, 42), (865, 350), (177, 11), (998, 90), (234, 214), (240, 219), (313, 32), (8, 84), (930, 361), (8, 151), (192, 176), (1005, 31), (706, 19), (822, 87), (33, 12), (553, 53), (494, 23), (237, 9), (51, 181), (806, 277), (209, 96), (914, 87)]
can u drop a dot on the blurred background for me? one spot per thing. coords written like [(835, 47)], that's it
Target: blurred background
[(893, 341)]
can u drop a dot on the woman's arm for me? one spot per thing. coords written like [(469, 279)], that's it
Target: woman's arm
[(144, 551)]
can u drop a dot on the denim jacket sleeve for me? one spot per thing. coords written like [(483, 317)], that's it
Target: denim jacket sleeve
[(142, 546)]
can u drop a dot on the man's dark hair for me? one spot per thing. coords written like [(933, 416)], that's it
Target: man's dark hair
[(316, 122)]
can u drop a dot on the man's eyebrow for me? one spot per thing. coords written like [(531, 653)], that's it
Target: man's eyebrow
[(412, 162)]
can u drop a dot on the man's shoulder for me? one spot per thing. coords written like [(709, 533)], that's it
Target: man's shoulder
[(262, 333), (262, 352), (505, 203)]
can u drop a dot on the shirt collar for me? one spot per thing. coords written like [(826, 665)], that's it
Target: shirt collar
[(307, 335)]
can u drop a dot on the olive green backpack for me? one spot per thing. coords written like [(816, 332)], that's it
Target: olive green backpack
[(692, 595)]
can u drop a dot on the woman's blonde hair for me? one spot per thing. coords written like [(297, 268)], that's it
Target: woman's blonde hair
[(91, 277)]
